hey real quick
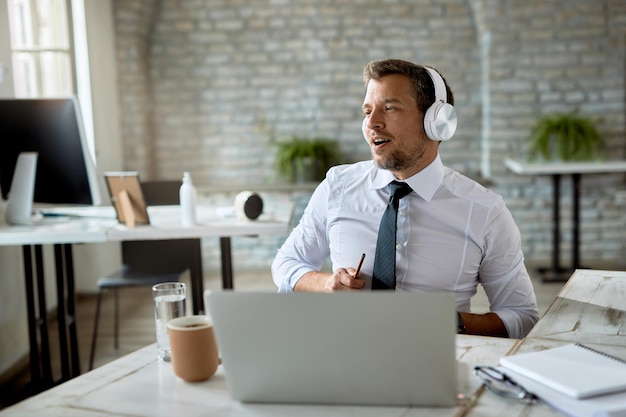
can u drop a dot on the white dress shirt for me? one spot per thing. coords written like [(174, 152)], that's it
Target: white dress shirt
[(452, 235)]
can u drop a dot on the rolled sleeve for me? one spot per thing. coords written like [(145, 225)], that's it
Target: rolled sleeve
[(307, 246), (514, 302), (505, 278)]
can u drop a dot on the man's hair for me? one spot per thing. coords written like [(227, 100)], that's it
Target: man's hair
[(420, 79)]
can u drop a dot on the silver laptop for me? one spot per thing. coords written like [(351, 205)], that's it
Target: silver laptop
[(371, 348)]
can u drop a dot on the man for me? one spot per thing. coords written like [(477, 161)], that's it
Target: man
[(452, 233)]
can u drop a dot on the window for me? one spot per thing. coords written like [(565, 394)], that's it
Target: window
[(41, 48)]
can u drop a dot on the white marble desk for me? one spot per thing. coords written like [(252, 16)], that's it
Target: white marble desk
[(590, 309), (140, 385)]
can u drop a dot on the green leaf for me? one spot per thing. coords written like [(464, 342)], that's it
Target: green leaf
[(292, 153), (568, 137)]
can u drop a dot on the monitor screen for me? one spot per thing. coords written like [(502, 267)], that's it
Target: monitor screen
[(53, 128)]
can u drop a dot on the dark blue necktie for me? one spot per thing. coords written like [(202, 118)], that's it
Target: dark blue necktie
[(384, 276)]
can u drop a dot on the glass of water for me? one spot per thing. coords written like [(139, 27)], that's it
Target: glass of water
[(169, 303)]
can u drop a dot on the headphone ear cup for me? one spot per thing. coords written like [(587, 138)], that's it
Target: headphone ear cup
[(440, 121)]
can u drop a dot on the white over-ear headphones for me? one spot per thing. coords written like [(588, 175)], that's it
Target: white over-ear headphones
[(440, 118)]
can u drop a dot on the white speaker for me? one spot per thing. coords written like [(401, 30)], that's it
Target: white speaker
[(440, 119), (20, 205), (248, 206)]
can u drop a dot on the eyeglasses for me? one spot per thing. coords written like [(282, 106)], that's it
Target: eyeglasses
[(501, 384)]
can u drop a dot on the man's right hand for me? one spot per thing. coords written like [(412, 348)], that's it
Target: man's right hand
[(341, 280)]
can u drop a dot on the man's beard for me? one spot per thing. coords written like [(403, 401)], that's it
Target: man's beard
[(399, 160)]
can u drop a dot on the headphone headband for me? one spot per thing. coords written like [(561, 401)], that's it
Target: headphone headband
[(441, 96)]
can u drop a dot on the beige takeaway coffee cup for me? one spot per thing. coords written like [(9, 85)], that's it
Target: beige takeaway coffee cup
[(194, 351)]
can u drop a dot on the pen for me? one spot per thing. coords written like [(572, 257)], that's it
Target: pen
[(358, 268)]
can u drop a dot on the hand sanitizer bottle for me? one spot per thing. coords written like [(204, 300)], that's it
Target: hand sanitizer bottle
[(187, 201)]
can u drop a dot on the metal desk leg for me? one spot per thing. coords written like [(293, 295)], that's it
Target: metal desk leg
[(556, 224), (39, 342), (575, 221), (555, 272), (61, 313), (66, 311), (71, 310), (227, 265), (35, 371), (40, 364), (197, 285), (46, 362)]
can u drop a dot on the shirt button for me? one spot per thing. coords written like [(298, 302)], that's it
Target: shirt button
[(399, 247)]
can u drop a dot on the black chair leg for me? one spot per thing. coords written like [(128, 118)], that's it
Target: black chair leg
[(95, 330), (116, 320)]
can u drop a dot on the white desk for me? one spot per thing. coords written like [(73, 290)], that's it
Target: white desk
[(550, 168), (140, 385), (556, 170), (63, 232), (165, 224), (56, 232), (590, 308)]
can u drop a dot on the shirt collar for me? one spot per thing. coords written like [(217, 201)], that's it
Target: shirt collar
[(424, 183)]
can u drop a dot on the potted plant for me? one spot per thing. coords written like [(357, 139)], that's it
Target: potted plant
[(565, 137), (304, 159)]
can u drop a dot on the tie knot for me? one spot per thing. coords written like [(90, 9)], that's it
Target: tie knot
[(399, 190)]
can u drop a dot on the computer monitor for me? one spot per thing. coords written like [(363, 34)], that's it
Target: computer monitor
[(53, 128)]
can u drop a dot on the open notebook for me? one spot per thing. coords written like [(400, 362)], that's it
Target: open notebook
[(374, 348)]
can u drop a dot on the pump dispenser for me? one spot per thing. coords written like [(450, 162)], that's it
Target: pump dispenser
[(187, 201)]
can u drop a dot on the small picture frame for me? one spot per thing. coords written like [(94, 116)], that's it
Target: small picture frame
[(127, 197)]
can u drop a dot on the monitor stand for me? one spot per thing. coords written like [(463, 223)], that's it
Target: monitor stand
[(20, 203)]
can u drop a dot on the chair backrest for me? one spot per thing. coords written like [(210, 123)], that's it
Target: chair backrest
[(162, 256), (161, 193)]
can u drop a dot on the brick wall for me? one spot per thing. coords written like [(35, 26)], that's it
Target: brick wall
[(210, 86)]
